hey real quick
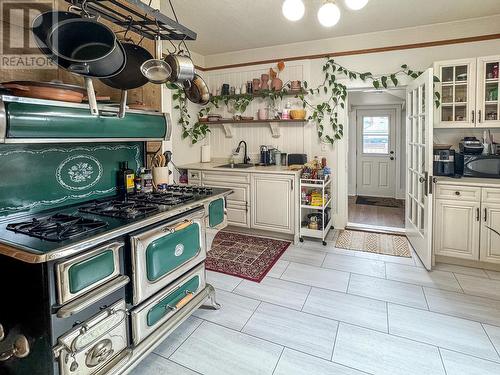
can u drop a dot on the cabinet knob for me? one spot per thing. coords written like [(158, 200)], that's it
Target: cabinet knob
[(457, 193)]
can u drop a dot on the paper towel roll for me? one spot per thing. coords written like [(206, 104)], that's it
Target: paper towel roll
[(205, 154)]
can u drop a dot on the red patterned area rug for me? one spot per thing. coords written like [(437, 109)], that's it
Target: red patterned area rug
[(245, 256)]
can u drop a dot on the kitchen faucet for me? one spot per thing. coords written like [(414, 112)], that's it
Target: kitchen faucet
[(246, 159)]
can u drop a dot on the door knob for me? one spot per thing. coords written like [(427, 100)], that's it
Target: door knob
[(422, 180), (392, 158), (392, 152)]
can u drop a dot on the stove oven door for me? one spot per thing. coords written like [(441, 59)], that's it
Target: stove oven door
[(216, 219), (83, 273), (94, 343), (152, 314), (162, 254)]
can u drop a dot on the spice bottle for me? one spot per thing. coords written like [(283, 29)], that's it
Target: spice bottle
[(126, 179)]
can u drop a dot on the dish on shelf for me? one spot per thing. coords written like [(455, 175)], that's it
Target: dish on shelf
[(298, 114)]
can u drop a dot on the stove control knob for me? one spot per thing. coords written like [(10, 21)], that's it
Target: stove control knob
[(99, 353)]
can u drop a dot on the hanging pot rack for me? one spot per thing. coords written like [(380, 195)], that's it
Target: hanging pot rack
[(137, 17)]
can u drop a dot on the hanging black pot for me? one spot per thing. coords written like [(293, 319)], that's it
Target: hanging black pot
[(130, 77)]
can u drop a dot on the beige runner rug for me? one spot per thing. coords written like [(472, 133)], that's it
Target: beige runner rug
[(378, 243)]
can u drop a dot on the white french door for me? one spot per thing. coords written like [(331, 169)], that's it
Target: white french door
[(419, 139), (375, 160)]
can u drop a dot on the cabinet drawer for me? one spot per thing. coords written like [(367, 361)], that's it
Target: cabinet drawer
[(237, 215), (241, 192), (491, 195), (461, 193), (218, 177)]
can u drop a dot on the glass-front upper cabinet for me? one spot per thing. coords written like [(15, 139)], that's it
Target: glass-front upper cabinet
[(457, 88), (487, 91)]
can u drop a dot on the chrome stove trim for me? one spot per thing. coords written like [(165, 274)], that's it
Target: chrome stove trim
[(139, 352), (3, 122), (143, 287), (64, 294), (92, 297), (27, 255)]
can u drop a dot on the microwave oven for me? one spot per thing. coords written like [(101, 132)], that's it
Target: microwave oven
[(483, 166)]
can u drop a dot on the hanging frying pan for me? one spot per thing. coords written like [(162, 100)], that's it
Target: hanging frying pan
[(156, 70), (130, 77), (197, 90)]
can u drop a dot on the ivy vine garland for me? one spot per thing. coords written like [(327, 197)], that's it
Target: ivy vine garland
[(327, 111)]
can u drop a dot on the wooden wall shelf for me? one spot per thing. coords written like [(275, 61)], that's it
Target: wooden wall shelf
[(273, 124), (259, 94)]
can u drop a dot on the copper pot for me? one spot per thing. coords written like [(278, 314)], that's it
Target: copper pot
[(46, 90)]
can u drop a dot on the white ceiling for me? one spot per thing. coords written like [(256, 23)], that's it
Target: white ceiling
[(233, 25)]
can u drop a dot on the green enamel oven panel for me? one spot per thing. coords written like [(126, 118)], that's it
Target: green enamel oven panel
[(27, 120), (216, 212), (44, 176), (163, 307), (90, 271), (166, 253)]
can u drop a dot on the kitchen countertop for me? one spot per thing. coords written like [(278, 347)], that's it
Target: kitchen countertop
[(469, 181), (214, 166)]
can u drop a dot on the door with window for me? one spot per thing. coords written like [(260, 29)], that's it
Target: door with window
[(419, 160), (376, 146)]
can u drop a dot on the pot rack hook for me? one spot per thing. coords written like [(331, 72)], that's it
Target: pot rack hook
[(129, 17), (183, 41)]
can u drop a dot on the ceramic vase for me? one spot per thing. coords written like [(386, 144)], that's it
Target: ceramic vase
[(256, 85), (276, 84), (264, 82)]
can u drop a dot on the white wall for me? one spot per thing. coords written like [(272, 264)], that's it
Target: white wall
[(311, 71)]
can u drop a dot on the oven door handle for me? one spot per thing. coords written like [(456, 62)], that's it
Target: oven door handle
[(183, 302), (178, 227), (90, 298)]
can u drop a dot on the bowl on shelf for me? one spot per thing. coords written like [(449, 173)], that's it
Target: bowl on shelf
[(298, 114)]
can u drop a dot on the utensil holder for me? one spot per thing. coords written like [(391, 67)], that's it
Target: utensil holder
[(161, 175)]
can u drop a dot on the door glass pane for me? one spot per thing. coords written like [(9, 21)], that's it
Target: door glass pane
[(447, 113), (460, 93), (447, 74), (447, 94), (491, 71), (376, 135), (461, 73)]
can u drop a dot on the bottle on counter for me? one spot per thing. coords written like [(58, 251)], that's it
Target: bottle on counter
[(147, 180), (125, 179)]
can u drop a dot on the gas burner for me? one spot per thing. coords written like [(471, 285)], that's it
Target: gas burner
[(167, 198), (123, 209), (58, 227), (189, 189)]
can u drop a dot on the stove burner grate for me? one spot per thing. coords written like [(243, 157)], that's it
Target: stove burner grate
[(58, 227), (122, 209)]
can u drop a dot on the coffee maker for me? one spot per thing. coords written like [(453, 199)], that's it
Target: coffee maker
[(444, 162)]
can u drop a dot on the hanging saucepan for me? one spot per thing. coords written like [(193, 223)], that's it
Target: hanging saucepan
[(90, 47), (182, 68), (156, 70), (130, 77), (197, 90)]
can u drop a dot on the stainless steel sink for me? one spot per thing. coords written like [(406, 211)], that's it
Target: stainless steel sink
[(237, 165)]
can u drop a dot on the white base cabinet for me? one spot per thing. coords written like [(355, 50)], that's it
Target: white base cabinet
[(262, 201), (467, 223)]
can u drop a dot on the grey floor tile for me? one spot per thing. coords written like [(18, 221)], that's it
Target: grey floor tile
[(217, 350), (441, 330), (420, 276), (156, 365), (304, 255), (293, 329), (461, 364), (234, 312), (222, 281), (382, 354), (369, 267), (385, 258), (296, 363), (316, 276), (494, 335), (480, 309), (275, 291), (495, 275), (278, 269), (387, 290), (461, 269), (478, 286), (176, 338), (348, 308)]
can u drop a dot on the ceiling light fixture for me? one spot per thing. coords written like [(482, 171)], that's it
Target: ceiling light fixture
[(293, 10), (356, 4), (329, 14)]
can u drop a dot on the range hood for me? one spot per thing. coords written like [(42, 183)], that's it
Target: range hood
[(26, 120)]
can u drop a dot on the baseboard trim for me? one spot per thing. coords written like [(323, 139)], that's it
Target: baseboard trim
[(376, 229), (467, 263)]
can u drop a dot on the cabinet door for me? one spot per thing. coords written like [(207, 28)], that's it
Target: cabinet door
[(273, 204), (456, 229), (457, 88), (487, 92), (490, 233), (238, 213)]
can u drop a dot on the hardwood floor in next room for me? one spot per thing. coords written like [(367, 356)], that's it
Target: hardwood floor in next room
[(393, 217), (324, 310)]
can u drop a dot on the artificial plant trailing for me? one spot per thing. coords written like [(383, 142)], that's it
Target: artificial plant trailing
[(327, 111)]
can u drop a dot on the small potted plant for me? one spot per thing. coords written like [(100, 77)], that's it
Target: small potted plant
[(276, 82)]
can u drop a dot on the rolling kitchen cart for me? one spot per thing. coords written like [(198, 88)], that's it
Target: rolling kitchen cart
[(315, 201)]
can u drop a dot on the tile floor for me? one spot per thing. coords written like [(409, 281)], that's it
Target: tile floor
[(323, 310)]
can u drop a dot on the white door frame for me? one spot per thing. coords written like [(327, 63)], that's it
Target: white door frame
[(399, 149)]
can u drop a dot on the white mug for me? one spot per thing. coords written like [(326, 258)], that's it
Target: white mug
[(263, 114)]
